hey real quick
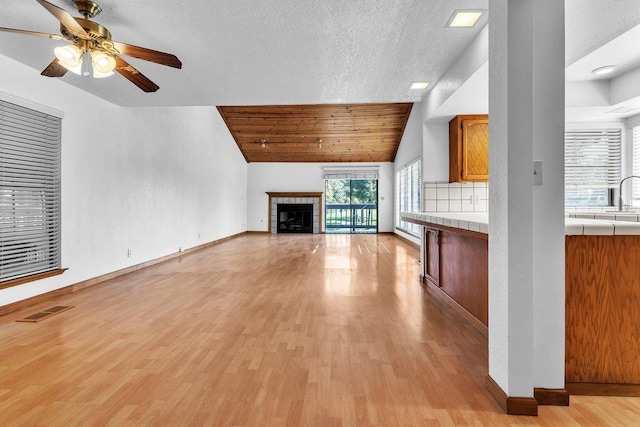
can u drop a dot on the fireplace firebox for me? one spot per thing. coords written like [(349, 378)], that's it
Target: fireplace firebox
[(295, 218)]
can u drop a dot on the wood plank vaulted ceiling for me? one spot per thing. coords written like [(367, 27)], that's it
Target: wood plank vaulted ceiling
[(349, 132)]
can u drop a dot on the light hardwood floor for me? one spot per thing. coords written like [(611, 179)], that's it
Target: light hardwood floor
[(323, 330)]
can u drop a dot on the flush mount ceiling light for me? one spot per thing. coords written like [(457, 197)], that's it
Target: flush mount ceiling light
[(604, 70), (464, 18), (419, 85)]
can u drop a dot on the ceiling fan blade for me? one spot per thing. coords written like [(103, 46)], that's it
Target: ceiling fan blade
[(54, 70), (148, 54), (32, 33), (135, 76), (65, 18)]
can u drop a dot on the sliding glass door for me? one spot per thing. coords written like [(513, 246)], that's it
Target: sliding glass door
[(351, 206)]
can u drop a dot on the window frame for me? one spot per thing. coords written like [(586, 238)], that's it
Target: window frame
[(408, 192), (46, 193)]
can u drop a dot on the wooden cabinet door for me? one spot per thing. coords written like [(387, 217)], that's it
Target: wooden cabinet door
[(469, 148), (432, 255), (475, 150)]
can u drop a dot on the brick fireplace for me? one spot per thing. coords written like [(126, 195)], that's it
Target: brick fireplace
[(294, 198)]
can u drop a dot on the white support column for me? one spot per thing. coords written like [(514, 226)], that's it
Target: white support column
[(548, 199), (526, 234)]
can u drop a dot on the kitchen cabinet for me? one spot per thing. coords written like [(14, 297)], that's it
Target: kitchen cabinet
[(432, 255), (469, 148), (602, 300), (602, 348), (464, 272), (456, 267)]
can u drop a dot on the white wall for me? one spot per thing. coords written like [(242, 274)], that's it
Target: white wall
[(435, 166), (409, 150), (263, 177), (146, 179), (410, 147)]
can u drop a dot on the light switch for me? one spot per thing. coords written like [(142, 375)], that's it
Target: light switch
[(537, 172)]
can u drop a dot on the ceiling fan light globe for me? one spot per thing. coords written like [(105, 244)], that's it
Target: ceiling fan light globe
[(102, 64), (76, 70), (70, 57), (99, 75)]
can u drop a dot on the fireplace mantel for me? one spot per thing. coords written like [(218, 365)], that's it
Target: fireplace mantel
[(294, 197), (293, 194)]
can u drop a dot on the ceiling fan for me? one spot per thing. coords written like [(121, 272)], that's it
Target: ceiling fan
[(91, 51)]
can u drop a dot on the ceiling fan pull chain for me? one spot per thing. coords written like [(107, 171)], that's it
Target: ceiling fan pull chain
[(87, 66)]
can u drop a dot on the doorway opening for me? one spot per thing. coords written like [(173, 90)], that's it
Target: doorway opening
[(351, 206)]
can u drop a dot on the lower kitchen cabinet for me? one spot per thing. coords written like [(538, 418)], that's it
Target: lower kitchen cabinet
[(602, 318), (456, 266), (432, 255)]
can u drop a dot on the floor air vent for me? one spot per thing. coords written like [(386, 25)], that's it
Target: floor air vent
[(46, 313)]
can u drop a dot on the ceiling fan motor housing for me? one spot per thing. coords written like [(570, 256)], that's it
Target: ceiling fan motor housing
[(87, 8), (95, 30)]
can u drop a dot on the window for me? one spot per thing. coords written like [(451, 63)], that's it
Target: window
[(636, 167), (592, 166), (409, 195), (29, 192)]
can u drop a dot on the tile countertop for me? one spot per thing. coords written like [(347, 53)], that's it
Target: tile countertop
[(609, 215), (479, 221)]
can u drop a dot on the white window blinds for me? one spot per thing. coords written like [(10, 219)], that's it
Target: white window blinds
[(593, 158), (29, 192), (636, 165), (351, 172), (409, 195)]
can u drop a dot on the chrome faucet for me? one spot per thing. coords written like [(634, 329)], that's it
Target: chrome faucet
[(620, 192)]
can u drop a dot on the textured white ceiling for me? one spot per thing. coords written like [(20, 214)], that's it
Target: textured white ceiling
[(591, 24), (262, 51)]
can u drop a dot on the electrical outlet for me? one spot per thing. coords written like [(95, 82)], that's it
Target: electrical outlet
[(474, 199), (198, 235), (128, 253)]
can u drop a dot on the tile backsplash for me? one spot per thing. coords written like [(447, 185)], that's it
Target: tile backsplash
[(456, 197)]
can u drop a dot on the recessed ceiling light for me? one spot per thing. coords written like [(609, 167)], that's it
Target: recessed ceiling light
[(604, 70), (419, 85), (464, 18)]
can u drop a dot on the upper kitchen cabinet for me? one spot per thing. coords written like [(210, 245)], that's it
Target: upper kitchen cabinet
[(469, 148)]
